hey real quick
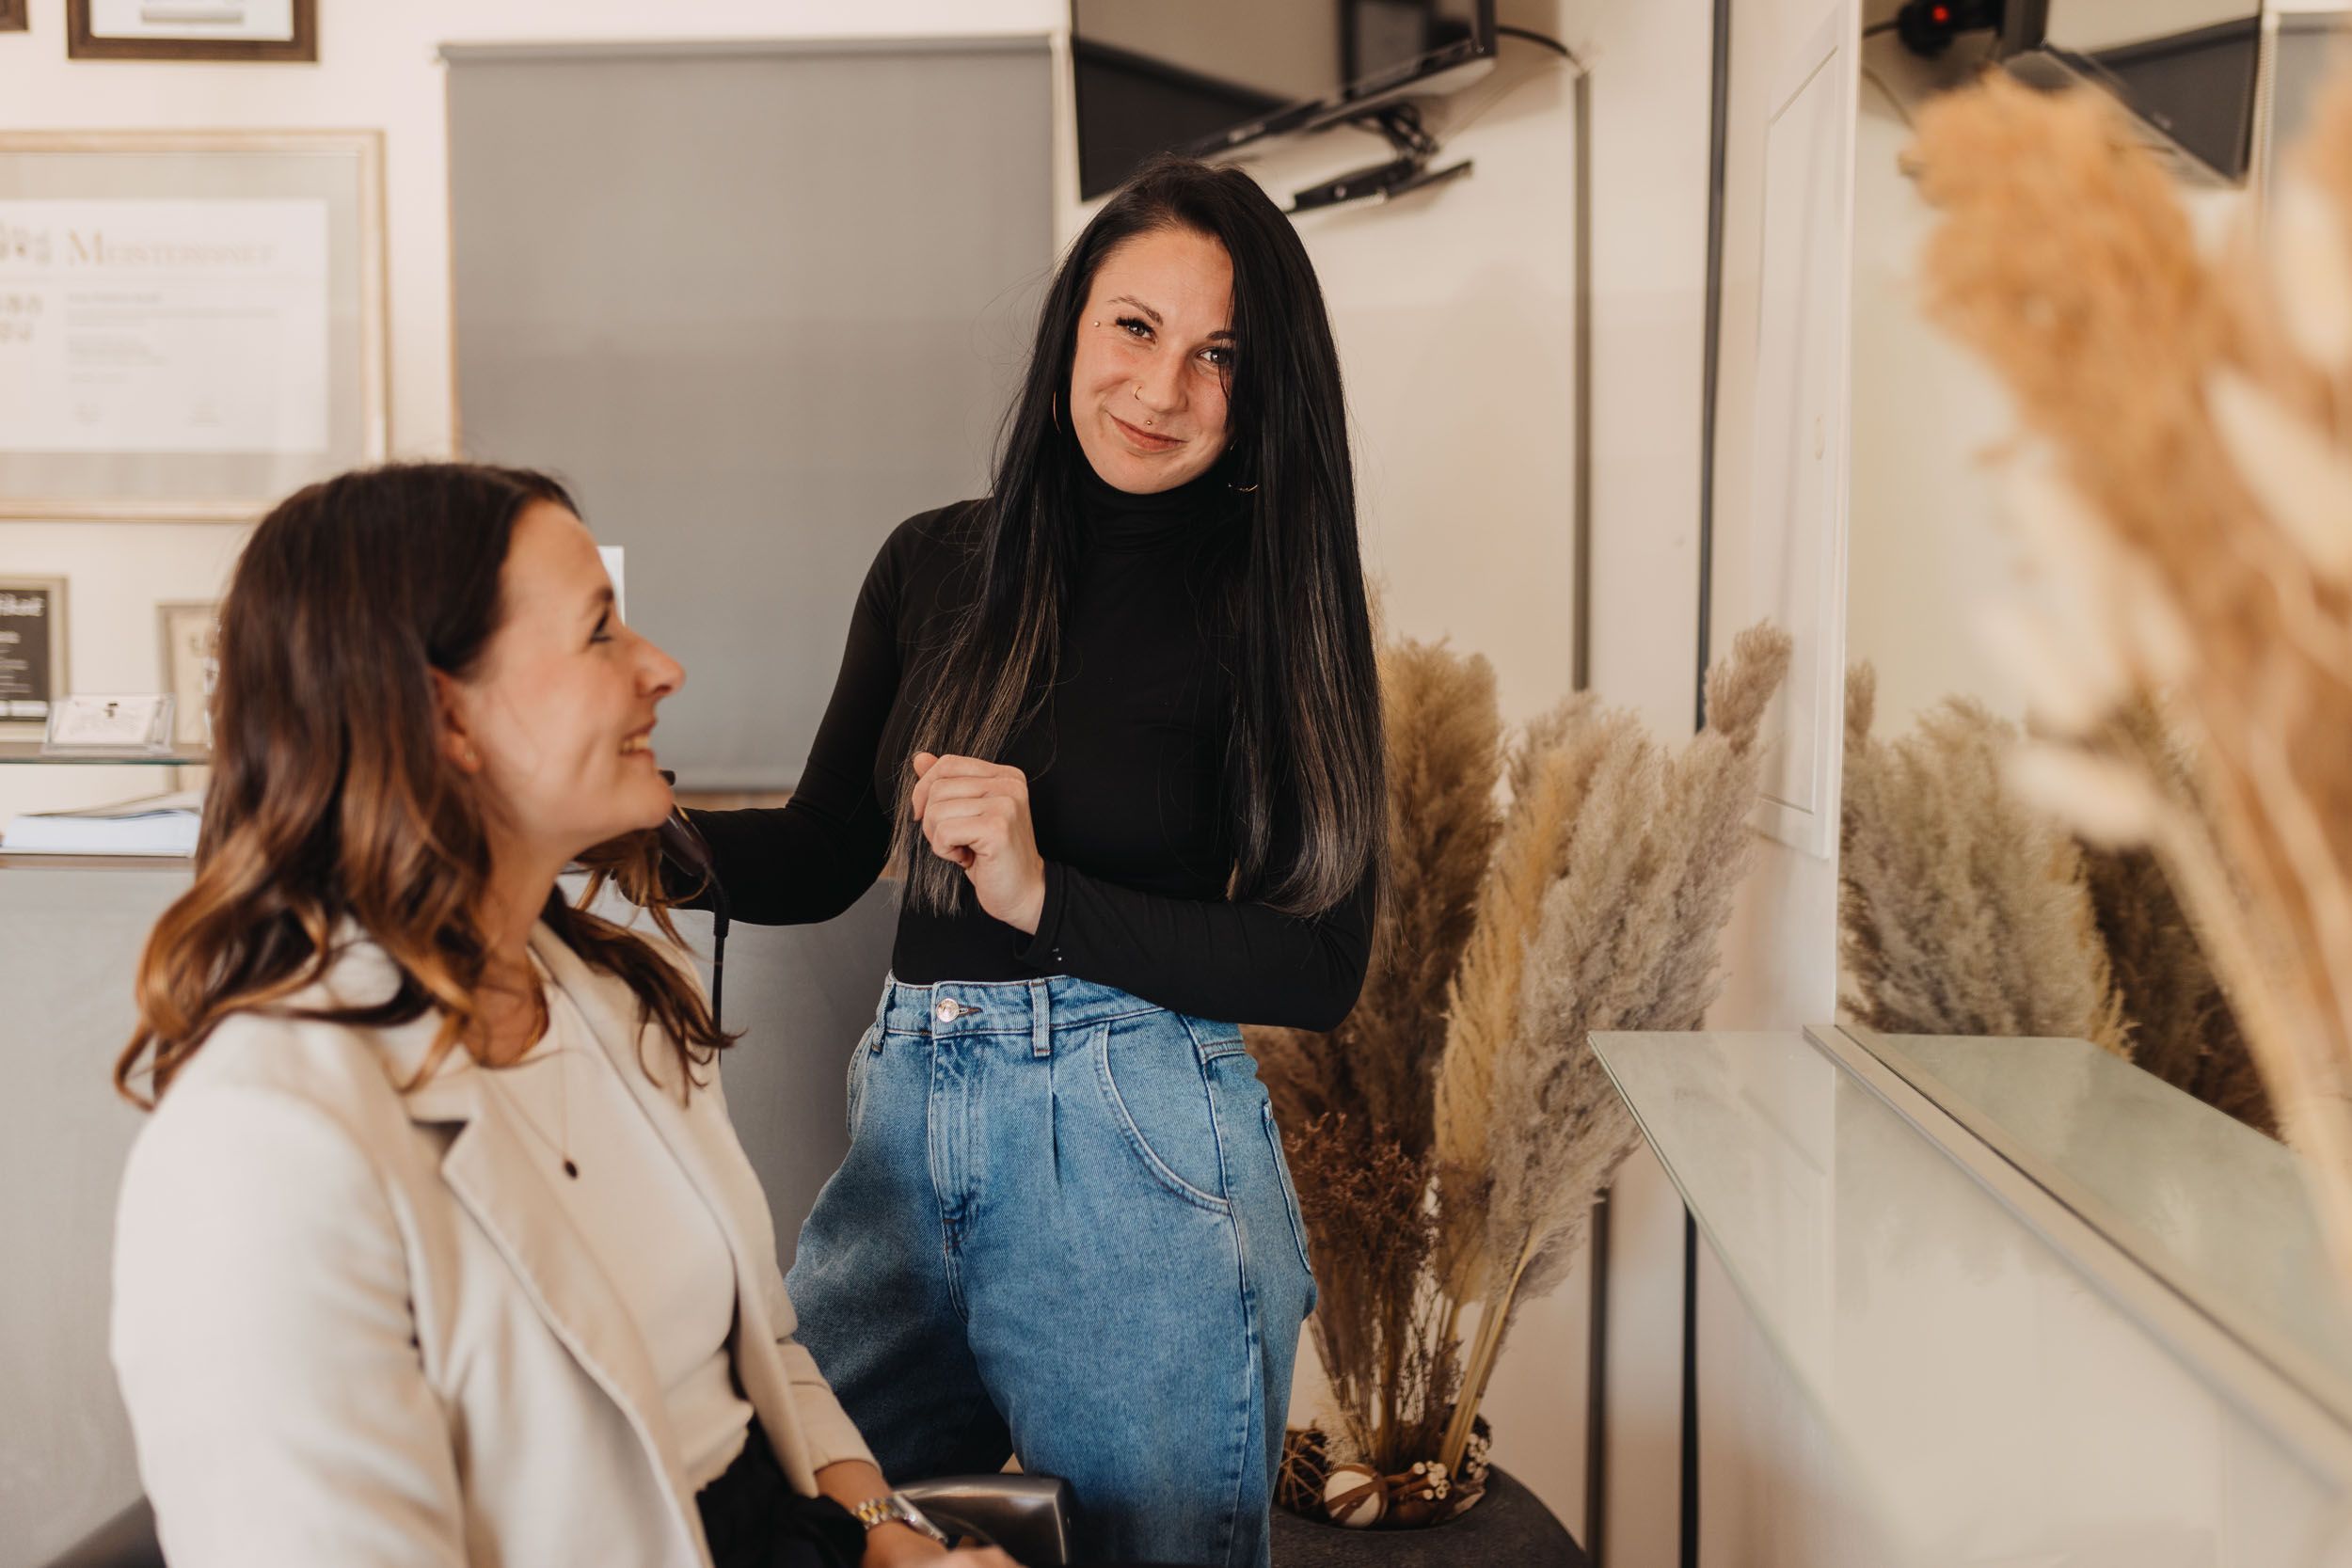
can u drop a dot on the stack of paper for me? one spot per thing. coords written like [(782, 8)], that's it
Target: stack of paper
[(160, 825)]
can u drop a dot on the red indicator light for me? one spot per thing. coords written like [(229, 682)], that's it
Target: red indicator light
[(1940, 15)]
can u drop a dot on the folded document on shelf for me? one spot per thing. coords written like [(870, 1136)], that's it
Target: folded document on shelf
[(159, 825)]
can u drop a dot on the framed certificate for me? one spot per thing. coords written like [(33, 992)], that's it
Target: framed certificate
[(32, 653), (192, 30), (188, 638), (190, 324)]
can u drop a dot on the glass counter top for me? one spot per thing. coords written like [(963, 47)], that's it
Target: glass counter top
[(30, 752)]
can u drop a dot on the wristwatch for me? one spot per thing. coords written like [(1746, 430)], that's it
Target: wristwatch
[(896, 1510)]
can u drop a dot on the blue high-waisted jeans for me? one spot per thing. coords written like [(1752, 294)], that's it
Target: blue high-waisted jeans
[(1064, 1230)]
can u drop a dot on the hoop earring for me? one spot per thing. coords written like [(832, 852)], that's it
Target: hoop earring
[(1248, 489)]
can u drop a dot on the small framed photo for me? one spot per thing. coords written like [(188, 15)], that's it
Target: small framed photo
[(188, 636), (14, 17), (32, 653), (279, 30)]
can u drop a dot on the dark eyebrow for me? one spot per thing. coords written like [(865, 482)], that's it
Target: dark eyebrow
[(1225, 333)]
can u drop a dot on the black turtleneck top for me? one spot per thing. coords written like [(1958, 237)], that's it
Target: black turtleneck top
[(1126, 764)]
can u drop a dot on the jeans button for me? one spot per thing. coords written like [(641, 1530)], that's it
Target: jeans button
[(945, 1011)]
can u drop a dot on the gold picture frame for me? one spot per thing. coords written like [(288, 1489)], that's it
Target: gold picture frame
[(328, 185), (299, 45)]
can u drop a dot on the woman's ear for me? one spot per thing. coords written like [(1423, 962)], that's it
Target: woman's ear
[(449, 731)]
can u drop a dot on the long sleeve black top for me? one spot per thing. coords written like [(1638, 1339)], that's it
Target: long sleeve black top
[(1126, 764)]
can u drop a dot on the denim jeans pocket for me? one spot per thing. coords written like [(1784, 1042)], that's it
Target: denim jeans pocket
[(855, 1087), (1152, 1086), (1290, 1189)]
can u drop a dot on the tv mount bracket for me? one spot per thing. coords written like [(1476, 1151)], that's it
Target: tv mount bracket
[(1408, 170)]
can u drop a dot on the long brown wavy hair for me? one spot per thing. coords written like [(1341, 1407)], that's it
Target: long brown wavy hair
[(331, 799)]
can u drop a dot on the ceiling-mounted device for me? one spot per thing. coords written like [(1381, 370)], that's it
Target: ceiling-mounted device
[(1206, 76), (1409, 170)]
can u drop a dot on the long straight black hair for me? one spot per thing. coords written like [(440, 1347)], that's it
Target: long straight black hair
[(1304, 772)]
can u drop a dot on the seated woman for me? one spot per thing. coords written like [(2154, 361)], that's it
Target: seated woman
[(440, 1247)]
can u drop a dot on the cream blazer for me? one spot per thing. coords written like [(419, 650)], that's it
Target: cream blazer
[(355, 1327)]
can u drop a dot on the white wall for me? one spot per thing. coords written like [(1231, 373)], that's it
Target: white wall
[(1928, 547), (1652, 114)]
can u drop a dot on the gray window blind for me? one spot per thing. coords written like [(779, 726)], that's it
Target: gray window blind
[(756, 304)]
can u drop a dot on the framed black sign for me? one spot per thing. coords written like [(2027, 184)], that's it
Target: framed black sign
[(32, 649)]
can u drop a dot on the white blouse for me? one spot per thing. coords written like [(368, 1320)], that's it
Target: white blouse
[(642, 1222)]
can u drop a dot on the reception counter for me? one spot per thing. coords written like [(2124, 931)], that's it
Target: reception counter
[(71, 934)]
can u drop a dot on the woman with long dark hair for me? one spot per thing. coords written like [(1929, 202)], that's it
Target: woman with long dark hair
[(1120, 721), (440, 1247)]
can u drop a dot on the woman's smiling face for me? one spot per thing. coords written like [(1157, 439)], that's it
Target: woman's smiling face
[(1155, 350)]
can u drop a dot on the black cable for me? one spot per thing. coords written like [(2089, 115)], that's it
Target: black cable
[(1886, 26), (1531, 36), (1690, 1532)]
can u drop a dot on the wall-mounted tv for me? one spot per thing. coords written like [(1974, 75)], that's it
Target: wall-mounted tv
[(1202, 76)]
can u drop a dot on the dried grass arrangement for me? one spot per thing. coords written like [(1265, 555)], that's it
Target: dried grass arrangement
[(1965, 909), (1448, 1140), (2187, 507), (1962, 908)]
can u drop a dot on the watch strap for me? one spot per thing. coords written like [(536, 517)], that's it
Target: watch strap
[(894, 1510)]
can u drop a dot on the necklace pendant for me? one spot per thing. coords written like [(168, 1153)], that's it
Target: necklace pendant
[(571, 1170)]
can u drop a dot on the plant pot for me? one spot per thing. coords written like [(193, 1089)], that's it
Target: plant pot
[(1509, 1529)]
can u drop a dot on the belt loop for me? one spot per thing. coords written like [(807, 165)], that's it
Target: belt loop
[(1040, 1019)]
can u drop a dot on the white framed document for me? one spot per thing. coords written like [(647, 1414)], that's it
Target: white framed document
[(32, 653), (188, 638), (192, 30), (191, 325)]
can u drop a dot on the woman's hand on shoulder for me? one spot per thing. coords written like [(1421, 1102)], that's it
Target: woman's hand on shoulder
[(976, 814)]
